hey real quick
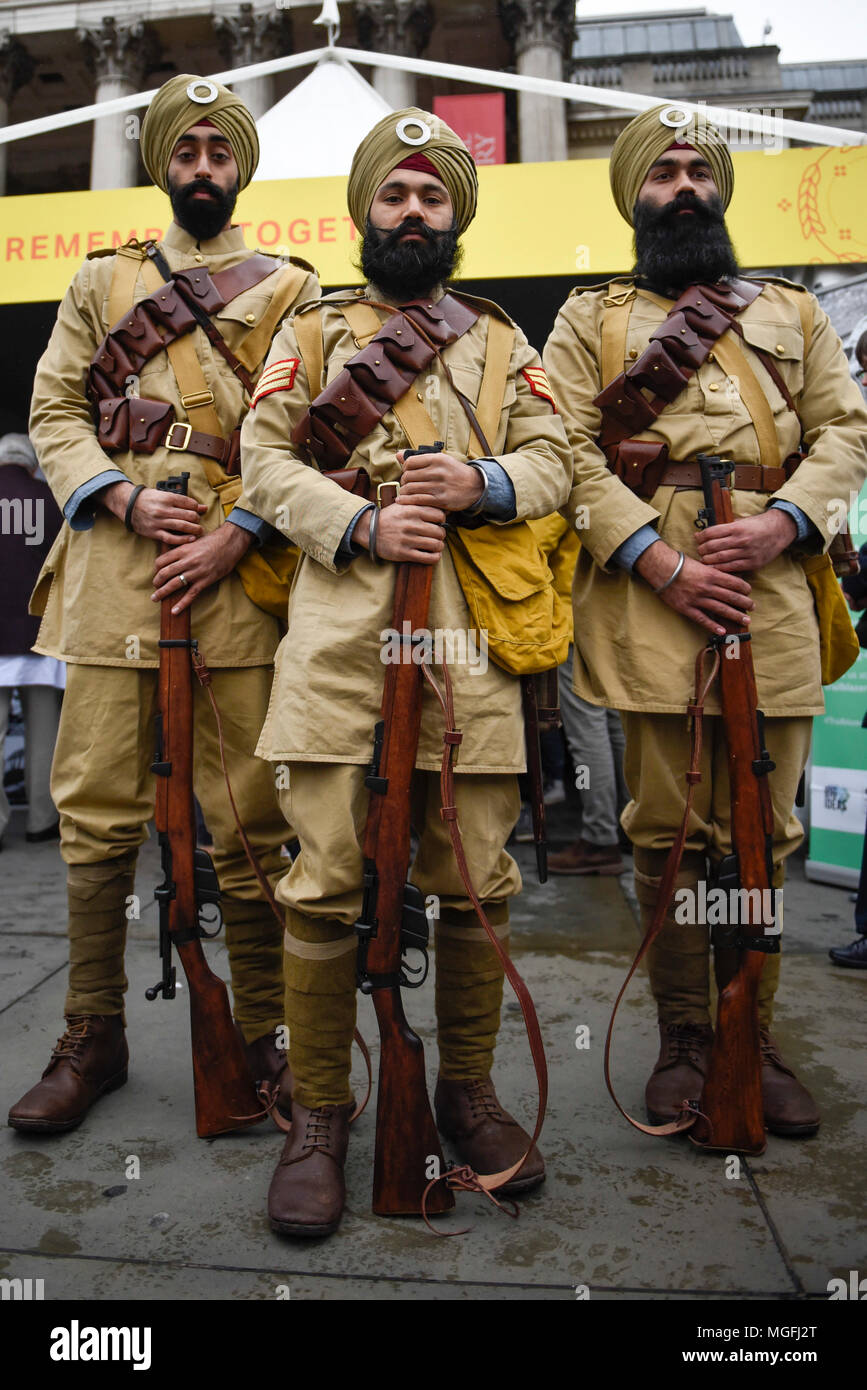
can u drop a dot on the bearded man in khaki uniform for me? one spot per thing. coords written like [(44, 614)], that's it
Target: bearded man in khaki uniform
[(105, 577), (649, 587), (412, 189)]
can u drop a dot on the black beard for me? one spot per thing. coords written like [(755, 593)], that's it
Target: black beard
[(202, 220), (672, 252), (409, 270)]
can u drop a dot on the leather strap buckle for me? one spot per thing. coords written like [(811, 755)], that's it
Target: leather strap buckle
[(197, 398), (179, 448), (387, 501)]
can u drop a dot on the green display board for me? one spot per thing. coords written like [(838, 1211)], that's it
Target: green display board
[(838, 777)]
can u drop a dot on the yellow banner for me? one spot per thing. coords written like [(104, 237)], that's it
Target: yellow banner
[(794, 207)]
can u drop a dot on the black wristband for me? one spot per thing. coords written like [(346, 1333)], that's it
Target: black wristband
[(133, 498)]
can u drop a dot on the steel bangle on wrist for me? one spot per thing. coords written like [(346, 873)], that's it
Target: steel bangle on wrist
[(479, 505), (133, 498), (671, 578), (371, 535)]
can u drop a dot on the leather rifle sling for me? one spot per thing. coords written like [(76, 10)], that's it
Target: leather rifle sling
[(255, 346)]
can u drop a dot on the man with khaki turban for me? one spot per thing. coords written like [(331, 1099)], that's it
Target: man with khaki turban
[(649, 587), (412, 192), (102, 583)]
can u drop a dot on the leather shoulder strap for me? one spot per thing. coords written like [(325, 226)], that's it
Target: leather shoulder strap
[(416, 423), (197, 398)]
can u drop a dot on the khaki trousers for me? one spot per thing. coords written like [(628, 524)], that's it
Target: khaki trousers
[(104, 791), (327, 805), (656, 761)]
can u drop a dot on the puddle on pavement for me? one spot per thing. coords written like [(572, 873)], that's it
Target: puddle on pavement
[(56, 1242)]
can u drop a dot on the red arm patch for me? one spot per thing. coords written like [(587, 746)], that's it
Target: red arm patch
[(278, 376), (539, 384)]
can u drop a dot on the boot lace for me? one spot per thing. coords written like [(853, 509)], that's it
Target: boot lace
[(483, 1101), (771, 1053), (686, 1041), (70, 1045), (318, 1132)]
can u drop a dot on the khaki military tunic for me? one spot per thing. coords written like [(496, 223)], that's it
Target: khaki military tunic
[(98, 610), (632, 652), (329, 673)]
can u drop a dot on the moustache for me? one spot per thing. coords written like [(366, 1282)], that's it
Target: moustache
[(198, 186), (410, 224)]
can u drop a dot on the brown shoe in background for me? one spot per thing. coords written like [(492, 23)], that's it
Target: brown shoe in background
[(485, 1135), (582, 858), (684, 1052), (89, 1061), (308, 1192), (269, 1064), (789, 1108)]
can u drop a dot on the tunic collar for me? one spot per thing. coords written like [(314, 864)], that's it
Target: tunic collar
[(223, 245)]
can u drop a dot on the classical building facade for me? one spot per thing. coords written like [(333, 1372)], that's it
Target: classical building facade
[(56, 55)]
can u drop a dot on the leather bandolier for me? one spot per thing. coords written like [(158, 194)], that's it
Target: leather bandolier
[(166, 314), (695, 324), (377, 377)]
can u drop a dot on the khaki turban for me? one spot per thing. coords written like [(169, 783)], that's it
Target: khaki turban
[(407, 132), (174, 111), (648, 136)]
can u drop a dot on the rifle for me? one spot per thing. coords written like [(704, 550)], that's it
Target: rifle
[(393, 920), (224, 1089), (731, 1105), (541, 701)]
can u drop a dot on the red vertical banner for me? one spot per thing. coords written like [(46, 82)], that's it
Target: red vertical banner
[(480, 121)]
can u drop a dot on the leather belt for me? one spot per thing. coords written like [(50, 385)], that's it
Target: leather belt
[(747, 477), (183, 439)]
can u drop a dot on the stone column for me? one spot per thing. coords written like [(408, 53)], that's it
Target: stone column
[(401, 27), (542, 32), (16, 68), (120, 56), (248, 37)]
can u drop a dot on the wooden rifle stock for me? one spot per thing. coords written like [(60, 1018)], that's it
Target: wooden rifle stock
[(392, 919), (224, 1088), (731, 1103)]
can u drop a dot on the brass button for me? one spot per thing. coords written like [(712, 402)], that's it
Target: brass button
[(418, 395), (199, 258), (250, 318), (633, 353), (398, 331), (780, 347), (710, 357), (377, 361), (359, 292), (714, 386)]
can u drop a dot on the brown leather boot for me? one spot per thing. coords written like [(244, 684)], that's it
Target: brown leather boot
[(307, 1191), (789, 1108), (584, 858), (269, 1064), (89, 1061), (485, 1135), (680, 1069)]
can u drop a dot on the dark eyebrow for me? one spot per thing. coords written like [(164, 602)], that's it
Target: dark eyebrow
[(431, 187), (214, 139), (698, 163)]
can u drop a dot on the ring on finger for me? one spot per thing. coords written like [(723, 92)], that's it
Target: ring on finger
[(184, 581)]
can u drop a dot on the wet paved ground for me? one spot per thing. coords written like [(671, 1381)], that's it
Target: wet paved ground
[(624, 1215)]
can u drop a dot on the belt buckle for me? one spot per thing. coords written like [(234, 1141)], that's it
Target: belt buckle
[(380, 486), (179, 448)]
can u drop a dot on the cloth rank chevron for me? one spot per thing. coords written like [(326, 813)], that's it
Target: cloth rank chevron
[(278, 376), (539, 384)]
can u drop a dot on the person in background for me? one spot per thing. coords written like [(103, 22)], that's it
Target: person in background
[(31, 521), (854, 956)]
